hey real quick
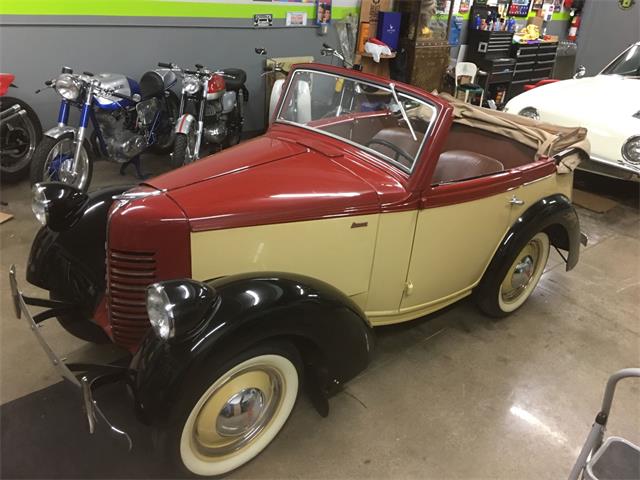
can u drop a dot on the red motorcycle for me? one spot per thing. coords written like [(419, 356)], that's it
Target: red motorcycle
[(20, 133)]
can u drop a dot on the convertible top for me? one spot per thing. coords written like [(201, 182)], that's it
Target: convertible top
[(547, 139)]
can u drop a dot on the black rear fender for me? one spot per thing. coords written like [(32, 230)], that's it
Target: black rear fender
[(553, 215)]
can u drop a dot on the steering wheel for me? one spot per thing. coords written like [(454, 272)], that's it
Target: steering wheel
[(398, 151)]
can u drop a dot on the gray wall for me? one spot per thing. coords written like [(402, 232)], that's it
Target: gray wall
[(35, 53), (605, 31)]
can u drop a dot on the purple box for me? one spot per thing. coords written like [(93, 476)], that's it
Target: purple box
[(389, 28)]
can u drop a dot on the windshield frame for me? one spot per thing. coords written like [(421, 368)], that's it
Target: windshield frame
[(382, 85), (617, 58)]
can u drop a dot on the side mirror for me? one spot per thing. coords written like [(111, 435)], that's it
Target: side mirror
[(580, 72)]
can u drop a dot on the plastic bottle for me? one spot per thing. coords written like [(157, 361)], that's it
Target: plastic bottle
[(477, 22)]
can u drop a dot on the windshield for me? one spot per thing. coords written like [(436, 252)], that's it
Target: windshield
[(360, 113), (627, 64)]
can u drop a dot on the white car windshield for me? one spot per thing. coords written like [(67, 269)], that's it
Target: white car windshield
[(627, 64), (360, 113)]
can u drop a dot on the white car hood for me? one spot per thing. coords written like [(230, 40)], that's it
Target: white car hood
[(616, 94), (604, 104)]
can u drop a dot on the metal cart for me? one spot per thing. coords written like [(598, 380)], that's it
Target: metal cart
[(616, 458)]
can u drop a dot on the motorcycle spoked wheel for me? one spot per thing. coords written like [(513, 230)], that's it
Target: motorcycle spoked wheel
[(52, 154), (19, 138), (184, 149), (167, 138)]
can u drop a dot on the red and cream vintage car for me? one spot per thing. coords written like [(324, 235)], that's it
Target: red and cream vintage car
[(228, 281)]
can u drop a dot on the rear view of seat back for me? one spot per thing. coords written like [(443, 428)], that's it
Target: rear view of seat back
[(456, 165)]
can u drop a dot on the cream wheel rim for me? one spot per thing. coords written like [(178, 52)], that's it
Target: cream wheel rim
[(524, 273), (239, 415)]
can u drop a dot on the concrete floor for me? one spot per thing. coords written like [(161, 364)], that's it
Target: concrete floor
[(453, 395)]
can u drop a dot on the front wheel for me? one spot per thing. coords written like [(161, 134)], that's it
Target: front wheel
[(511, 285), (236, 410), (53, 160), (18, 140), (184, 149)]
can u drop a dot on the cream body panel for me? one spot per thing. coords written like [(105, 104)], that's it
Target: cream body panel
[(536, 190), (452, 247), (328, 249), (391, 262)]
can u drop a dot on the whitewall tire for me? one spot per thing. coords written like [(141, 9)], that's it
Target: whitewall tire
[(507, 288), (239, 414)]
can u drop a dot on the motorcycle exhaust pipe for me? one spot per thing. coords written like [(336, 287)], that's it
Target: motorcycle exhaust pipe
[(13, 110), (11, 113)]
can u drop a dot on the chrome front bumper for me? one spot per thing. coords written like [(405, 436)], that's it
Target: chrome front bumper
[(83, 381)]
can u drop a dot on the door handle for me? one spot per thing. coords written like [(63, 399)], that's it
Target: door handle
[(516, 201)]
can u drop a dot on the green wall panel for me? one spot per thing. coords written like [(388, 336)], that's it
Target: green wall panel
[(155, 8)]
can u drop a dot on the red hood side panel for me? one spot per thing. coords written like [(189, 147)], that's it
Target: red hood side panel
[(306, 186), (258, 151)]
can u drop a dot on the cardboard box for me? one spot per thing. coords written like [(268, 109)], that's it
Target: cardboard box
[(363, 36), (369, 10)]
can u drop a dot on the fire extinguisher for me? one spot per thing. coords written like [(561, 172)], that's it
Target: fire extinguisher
[(573, 29)]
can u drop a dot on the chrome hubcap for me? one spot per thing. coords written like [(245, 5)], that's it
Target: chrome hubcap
[(522, 273), (238, 411), (241, 413)]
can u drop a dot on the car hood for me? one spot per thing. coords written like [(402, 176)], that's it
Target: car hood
[(590, 96), (266, 180)]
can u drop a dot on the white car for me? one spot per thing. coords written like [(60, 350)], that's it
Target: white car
[(608, 105)]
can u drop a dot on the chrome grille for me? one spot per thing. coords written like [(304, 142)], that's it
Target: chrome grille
[(129, 275)]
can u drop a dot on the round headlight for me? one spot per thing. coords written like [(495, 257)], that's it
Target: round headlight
[(160, 311), (67, 86), (631, 150), (40, 204), (191, 85), (529, 112)]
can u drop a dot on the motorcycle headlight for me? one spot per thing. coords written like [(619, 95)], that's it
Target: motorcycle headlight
[(176, 308), (631, 150), (68, 86), (530, 112), (57, 205), (191, 85)]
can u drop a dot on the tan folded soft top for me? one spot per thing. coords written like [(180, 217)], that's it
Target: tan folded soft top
[(547, 139)]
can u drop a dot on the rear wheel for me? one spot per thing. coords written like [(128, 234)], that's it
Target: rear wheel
[(513, 282), (53, 158), (19, 138), (235, 129), (166, 135), (227, 418)]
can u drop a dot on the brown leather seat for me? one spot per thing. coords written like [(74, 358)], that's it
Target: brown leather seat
[(400, 137), (457, 165)]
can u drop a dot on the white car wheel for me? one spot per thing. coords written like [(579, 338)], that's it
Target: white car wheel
[(239, 415), (524, 273)]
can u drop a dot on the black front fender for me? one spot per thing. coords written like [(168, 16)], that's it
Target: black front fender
[(554, 215), (71, 262), (330, 331)]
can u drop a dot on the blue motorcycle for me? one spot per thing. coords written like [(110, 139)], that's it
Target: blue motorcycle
[(127, 118)]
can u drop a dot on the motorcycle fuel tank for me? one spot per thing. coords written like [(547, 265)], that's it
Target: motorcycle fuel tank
[(121, 84)]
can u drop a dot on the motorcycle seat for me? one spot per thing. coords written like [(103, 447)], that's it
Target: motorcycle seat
[(238, 80)]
